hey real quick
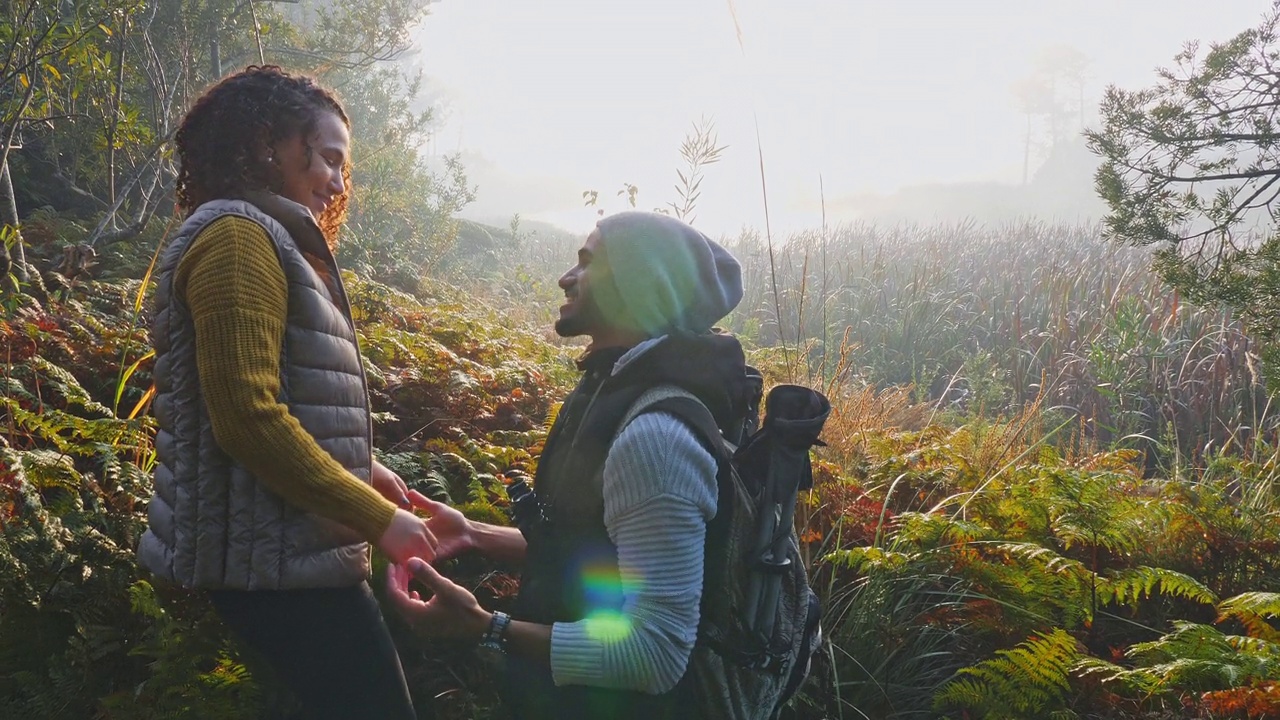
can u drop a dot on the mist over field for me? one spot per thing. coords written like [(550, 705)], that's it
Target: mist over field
[(914, 110)]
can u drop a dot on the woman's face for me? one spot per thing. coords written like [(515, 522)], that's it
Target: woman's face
[(311, 164)]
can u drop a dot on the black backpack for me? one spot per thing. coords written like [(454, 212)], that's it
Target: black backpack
[(759, 627)]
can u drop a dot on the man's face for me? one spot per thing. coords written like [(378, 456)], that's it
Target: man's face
[(580, 314)]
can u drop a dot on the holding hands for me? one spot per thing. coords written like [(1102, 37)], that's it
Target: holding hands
[(453, 532), (407, 537), (445, 534), (413, 543)]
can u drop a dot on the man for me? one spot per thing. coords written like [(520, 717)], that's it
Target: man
[(608, 610)]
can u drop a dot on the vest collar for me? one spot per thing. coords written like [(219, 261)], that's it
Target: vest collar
[(295, 218), (635, 353)]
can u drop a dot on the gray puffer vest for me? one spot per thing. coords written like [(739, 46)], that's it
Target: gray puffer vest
[(212, 524)]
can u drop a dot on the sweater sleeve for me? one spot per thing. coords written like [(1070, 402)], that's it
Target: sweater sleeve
[(660, 493), (232, 282)]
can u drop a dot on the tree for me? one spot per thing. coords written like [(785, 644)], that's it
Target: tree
[(1055, 83), (1192, 164), (92, 91), (36, 36), (402, 214)]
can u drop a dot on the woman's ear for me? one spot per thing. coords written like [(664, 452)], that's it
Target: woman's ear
[(267, 159)]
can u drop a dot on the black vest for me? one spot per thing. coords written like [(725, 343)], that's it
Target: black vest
[(571, 565)]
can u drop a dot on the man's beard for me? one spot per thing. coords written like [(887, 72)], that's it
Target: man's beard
[(584, 319)]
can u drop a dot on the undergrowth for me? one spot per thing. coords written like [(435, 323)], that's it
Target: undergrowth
[(969, 567), (459, 396)]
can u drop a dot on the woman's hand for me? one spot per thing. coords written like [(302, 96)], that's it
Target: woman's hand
[(388, 484), (407, 537), (451, 612)]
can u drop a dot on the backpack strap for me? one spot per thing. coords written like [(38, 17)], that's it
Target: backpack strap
[(691, 411), (687, 408), (694, 414)]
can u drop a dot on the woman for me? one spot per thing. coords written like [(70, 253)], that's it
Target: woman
[(266, 494)]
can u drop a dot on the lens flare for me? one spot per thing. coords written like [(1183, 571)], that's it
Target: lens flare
[(608, 626), (605, 589)]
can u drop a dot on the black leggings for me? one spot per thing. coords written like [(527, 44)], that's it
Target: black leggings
[(329, 645)]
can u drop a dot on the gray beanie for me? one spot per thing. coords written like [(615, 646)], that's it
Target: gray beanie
[(669, 276)]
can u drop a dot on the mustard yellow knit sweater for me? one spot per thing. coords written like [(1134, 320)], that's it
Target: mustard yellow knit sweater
[(235, 288)]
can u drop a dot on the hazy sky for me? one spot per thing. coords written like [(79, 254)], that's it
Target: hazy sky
[(553, 97)]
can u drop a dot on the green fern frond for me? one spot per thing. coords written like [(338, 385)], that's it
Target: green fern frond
[(1127, 587), (1135, 681), (1254, 646), (932, 530), (13, 388), (1199, 675), (1253, 610), (1199, 658), (69, 387), (1029, 680), (74, 435), (1186, 640), (959, 530), (1045, 557), (143, 600), (45, 470), (553, 412), (864, 559), (962, 693)]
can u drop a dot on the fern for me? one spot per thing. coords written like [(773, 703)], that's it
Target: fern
[(75, 435), (865, 559), (1088, 510), (1258, 701), (553, 412), (1188, 640), (192, 671), (66, 384), (930, 530), (1127, 587), (46, 470), (1253, 610), (1028, 681), (1191, 657), (1044, 557)]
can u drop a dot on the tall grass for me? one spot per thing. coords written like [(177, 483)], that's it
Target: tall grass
[(983, 321)]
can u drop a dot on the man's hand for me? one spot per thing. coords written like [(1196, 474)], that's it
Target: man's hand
[(451, 612), (407, 537), (454, 533), (388, 484)]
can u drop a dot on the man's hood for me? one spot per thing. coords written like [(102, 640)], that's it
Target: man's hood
[(711, 366)]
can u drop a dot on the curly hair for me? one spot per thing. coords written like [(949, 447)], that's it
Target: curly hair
[(226, 135)]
